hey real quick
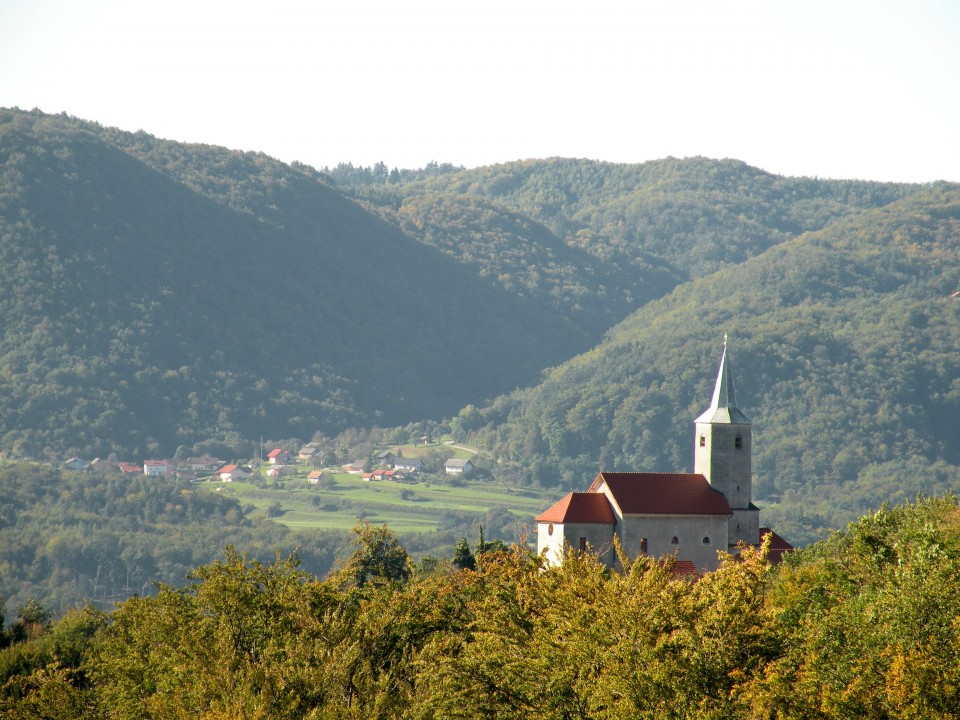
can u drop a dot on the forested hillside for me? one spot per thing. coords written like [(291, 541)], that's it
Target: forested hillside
[(69, 537), (845, 353), (154, 294), (861, 625), (679, 218), (836, 294)]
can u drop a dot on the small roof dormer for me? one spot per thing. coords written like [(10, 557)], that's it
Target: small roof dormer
[(723, 406)]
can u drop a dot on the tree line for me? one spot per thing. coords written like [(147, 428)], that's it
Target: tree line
[(863, 624)]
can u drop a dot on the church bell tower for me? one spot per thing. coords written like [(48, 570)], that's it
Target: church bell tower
[(723, 445)]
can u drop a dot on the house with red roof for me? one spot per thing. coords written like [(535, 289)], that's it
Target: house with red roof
[(233, 473), (689, 516), (278, 456)]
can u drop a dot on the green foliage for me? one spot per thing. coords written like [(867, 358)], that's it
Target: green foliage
[(68, 537), (843, 346), (863, 624), (157, 295), (245, 640), (463, 558), (378, 558), (869, 620), (836, 293)]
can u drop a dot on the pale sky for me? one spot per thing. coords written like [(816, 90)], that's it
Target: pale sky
[(864, 89)]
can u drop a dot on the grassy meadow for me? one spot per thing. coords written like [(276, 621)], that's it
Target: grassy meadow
[(419, 503)]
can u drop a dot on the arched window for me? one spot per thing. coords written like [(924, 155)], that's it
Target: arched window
[(706, 540), (703, 441), (738, 442), (675, 540)]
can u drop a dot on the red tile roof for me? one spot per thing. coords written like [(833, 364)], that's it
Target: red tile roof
[(662, 493), (684, 569), (275, 453), (580, 508), (778, 546)]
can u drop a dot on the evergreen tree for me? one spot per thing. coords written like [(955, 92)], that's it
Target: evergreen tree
[(462, 557)]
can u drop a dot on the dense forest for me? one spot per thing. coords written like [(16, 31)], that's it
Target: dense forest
[(863, 624), (155, 294), (69, 537), (563, 316), (66, 537)]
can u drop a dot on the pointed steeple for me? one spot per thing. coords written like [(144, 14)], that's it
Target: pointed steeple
[(723, 407)]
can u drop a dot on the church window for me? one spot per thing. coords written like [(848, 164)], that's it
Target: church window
[(706, 540), (675, 540), (643, 545), (738, 442), (583, 544), (703, 441), (550, 529)]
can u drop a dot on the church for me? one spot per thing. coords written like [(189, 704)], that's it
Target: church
[(689, 516)]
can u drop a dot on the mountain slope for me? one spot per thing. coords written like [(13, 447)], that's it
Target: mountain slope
[(695, 214), (597, 240), (214, 294), (845, 350)]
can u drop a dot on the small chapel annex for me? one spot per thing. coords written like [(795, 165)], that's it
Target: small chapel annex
[(686, 515)]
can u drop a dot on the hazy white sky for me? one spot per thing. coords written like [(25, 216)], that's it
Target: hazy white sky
[(829, 88)]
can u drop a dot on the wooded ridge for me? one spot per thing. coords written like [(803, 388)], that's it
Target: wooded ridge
[(565, 315)]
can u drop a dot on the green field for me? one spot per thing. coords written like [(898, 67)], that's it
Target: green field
[(420, 506)]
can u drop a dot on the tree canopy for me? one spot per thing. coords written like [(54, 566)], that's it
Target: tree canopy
[(863, 624)]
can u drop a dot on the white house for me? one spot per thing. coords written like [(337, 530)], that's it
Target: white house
[(408, 465), (458, 466), (156, 467), (233, 473)]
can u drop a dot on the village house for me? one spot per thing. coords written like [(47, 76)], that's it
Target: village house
[(458, 466), (279, 471), (75, 463), (278, 456), (689, 516), (233, 473), (386, 458), (308, 451), (156, 467), (408, 465), (203, 463)]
